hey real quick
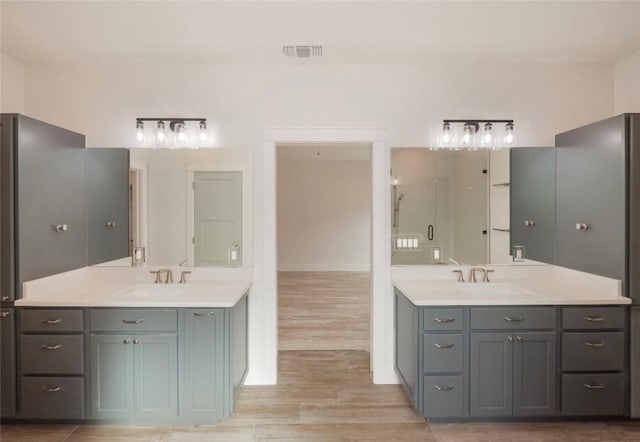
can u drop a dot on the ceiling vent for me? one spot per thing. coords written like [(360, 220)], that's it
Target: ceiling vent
[(302, 51)]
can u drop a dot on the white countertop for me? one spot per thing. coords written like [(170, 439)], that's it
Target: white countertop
[(547, 285), (104, 287)]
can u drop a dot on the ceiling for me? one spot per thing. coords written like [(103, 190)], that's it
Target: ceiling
[(352, 32)]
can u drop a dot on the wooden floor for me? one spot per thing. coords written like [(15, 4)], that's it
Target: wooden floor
[(324, 310), (328, 396)]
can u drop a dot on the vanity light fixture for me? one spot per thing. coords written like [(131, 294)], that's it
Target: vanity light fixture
[(172, 132), (469, 134)]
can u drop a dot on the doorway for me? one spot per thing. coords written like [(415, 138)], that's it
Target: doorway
[(324, 198)]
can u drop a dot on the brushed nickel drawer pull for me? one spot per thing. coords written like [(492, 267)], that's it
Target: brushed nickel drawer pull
[(443, 387), (443, 320), (208, 314), (5, 314), (51, 389), (133, 321), (52, 321), (595, 318), (514, 318), (594, 386), (444, 346), (594, 344), (51, 346)]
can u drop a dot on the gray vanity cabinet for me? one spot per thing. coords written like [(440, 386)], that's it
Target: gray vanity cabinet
[(532, 220), (51, 215), (134, 377), (513, 373), (134, 364), (591, 206), (107, 204), (8, 363), (203, 379)]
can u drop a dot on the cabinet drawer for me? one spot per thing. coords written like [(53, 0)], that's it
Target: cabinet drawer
[(592, 317), (511, 318), (50, 320), (592, 394), (593, 351), (133, 320), (443, 319), (52, 398), (443, 396), (52, 354), (443, 353)]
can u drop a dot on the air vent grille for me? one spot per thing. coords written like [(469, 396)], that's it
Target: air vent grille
[(302, 51)]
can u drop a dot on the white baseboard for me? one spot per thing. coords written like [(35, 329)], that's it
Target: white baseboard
[(260, 376), (324, 268)]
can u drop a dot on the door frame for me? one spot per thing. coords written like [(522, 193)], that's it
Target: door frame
[(245, 246), (263, 306)]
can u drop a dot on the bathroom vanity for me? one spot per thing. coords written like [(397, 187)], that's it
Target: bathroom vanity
[(130, 351), (513, 348)]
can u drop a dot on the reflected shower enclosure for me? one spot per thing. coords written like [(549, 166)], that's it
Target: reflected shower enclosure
[(440, 201)]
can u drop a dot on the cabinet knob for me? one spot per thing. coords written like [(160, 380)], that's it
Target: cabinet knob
[(61, 227), (510, 338), (529, 223), (110, 224), (136, 341), (582, 227), (519, 338), (4, 314), (126, 341), (5, 298)]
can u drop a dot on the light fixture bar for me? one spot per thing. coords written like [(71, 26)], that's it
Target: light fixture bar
[(170, 119), (477, 121)]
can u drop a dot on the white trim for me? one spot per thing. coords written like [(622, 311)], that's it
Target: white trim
[(143, 204), (263, 306), (324, 267)]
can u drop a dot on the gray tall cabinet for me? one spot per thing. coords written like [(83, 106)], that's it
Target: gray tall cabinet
[(533, 204), (107, 204)]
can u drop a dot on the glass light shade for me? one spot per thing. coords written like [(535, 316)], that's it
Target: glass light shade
[(487, 135), (447, 137), (202, 134), (508, 134), (161, 135), (468, 135), (140, 132)]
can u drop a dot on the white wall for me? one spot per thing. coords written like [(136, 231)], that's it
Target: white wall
[(408, 101), (324, 215), (11, 85), (627, 84)]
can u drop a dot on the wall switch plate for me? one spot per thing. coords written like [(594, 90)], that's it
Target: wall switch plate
[(436, 254), (407, 243), (518, 254)]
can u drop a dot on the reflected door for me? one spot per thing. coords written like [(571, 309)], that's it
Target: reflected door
[(217, 218)]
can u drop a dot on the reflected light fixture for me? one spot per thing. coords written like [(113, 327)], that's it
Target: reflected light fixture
[(468, 134), (172, 132)]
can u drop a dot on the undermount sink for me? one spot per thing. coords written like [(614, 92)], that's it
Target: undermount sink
[(492, 288), (154, 290)]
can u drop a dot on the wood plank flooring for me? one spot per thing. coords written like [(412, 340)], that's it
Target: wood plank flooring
[(328, 396), (324, 310)]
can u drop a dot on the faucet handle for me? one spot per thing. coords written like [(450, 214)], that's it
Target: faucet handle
[(486, 275), (183, 276), (157, 273), (169, 278), (460, 275)]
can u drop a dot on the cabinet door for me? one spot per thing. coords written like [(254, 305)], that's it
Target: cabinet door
[(533, 195), (8, 363), (590, 190), (51, 192), (204, 355), (534, 386), (112, 377), (108, 204), (155, 377), (491, 374)]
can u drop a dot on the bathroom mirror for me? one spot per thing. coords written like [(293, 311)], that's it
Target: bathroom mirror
[(440, 211), (190, 207)]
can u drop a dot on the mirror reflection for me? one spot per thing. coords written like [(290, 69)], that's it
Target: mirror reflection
[(440, 206), (188, 206)]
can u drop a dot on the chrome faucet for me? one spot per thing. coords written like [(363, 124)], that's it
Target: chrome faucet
[(169, 278), (158, 274), (460, 275), (183, 276), (472, 273)]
